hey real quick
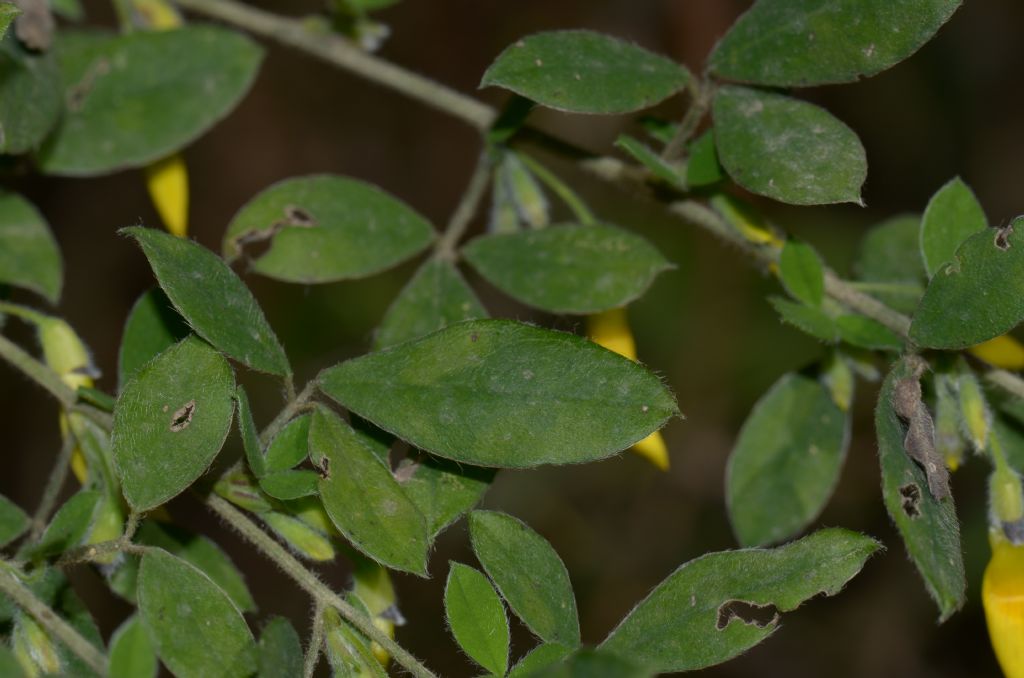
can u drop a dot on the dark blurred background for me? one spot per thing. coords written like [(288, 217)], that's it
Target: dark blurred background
[(620, 525)]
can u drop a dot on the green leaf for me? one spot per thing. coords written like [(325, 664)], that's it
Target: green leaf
[(291, 484), (539, 658), (521, 396), (153, 326), (888, 265), (171, 421), (280, 651), (134, 98), (801, 43), (290, 447), (477, 618), (863, 332), (592, 663), (69, 9), (443, 490), (250, 435), (785, 149), (786, 462), (8, 13), (29, 256), (435, 297), (202, 553), (131, 653), (813, 321), (928, 526), (802, 273), (646, 156), (528, 573), (978, 295), (69, 527), (952, 216), (9, 665), (324, 228), (702, 167), (585, 72), (13, 521), (568, 268), (363, 499), (194, 625), (31, 100), (214, 301), (716, 607)]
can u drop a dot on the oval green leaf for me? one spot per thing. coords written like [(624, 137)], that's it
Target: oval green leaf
[(585, 72), (864, 332), (31, 100), (69, 527), (929, 526), (435, 297), (290, 484), (952, 216), (801, 43), (786, 461), (786, 149), (476, 617), (139, 97), (326, 228), (29, 256), (568, 268), (214, 301), (363, 499), (528, 573), (501, 393), (443, 490), (13, 521), (696, 617), (280, 650), (808, 319), (131, 653), (171, 421), (196, 629), (153, 326), (290, 447), (978, 295), (802, 272)]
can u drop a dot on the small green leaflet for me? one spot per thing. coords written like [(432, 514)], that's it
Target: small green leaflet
[(152, 327), (786, 461), (477, 618), (214, 301), (808, 319), (13, 521), (802, 43), (31, 100), (785, 149), (585, 72), (291, 484), (521, 396), (887, 266), (953, 215), (250, 435), (539, 658), (802, 272), (702, 167), (99, 133), (29, 256), (698, 616), (568, 268), (69, 527), (196, 629), (280, 650), (649, 158), (171, 421), (8, 13), (443, 490), (289, 448), (978, 295), (528, 573), (928, 526), (325, 228), (131, 652)]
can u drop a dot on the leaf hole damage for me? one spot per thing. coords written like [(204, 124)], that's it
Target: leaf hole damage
[(1002, 239), (182, 417), (760, 616), (294, 217), (324, 468), (910, 498)]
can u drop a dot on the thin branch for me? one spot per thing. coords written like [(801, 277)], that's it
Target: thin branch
[(294, 406), (700, 95), (52, 622), (467, 207), (316, 642), (341, 52), (54, 484), (37, 372), (311, 584)]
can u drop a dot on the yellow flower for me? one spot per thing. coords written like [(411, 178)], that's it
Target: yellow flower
[(167, 182), (1002, 594), (1004, 351), (611, 330)]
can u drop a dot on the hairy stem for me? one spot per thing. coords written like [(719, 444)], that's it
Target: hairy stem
[(58, 475), (341, 52), (316, 642), (466, 209), (52, 622), (311, 584), (37, 372), (700, 94), (295, 405)]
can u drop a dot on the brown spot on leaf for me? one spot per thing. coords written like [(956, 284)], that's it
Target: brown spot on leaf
[(748, 613), (324, 469), (80, 91), (182, 417), (910, 498), (1002, 240), (296, 216)]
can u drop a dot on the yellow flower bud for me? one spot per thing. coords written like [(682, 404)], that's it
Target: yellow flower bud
[(746, 220), (346, 650), (611, 330), (157, 15), (372, 586), (167, 182), (948, 441), (976, 417), (1002, 595), (34, 649), (1003, 351), (306, 541), (837, 376)]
